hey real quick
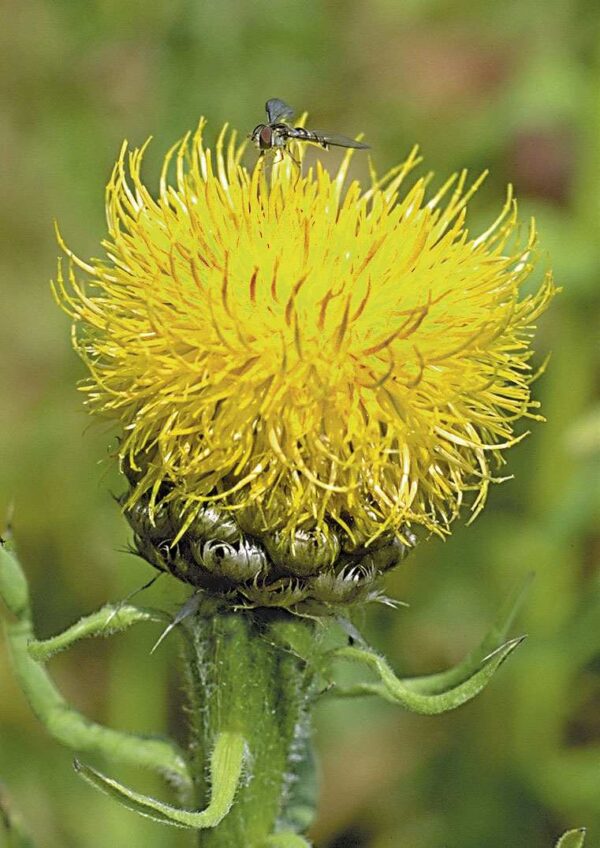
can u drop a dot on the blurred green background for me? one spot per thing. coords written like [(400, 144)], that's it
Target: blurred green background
[(512, 86)]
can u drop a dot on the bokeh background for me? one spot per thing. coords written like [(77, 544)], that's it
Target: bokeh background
[(514, 87)]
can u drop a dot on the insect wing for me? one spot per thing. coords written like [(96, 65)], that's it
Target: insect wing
[(337, 140), (277, 110)]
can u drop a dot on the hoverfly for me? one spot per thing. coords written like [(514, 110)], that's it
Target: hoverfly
[(277, 132)]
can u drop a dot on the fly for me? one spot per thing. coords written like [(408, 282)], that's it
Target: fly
[(278, 132)]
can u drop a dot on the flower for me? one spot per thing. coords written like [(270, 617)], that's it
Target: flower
[(300, 354)]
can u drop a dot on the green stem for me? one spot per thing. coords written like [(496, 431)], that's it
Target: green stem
[(245, 678)]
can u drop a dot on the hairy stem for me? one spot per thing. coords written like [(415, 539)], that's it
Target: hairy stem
[(245, 678)]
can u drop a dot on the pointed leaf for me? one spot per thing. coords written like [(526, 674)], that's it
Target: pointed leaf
[(226, 768), (433, 684), (395, 690), (112, 618), (572, 839)]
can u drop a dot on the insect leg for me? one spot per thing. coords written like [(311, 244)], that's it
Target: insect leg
[(294, 160)]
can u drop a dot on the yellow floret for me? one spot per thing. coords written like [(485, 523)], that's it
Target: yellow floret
[(304, 351)]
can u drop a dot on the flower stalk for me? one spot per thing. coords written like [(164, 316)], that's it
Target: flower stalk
[(245, 677)]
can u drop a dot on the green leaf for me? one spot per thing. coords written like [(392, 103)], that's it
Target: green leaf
[(227, 762), (572, 839), (395, 690), (433, 684), (435, 693), (106, 621), (73, 729)]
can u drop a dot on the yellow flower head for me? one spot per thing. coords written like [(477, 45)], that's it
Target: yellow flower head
[(304, 352)]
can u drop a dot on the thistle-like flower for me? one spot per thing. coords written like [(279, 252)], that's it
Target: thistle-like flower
[(301, 370)]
